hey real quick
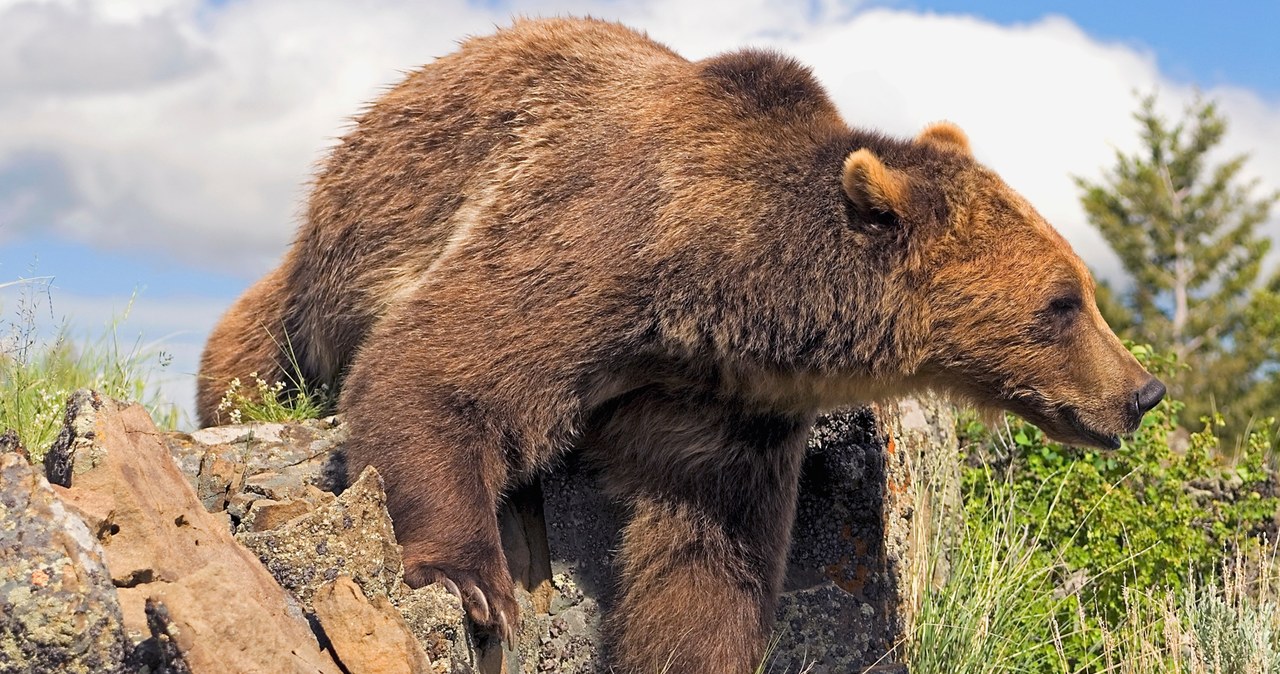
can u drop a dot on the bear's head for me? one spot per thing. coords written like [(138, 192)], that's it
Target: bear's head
[(1010, 312)]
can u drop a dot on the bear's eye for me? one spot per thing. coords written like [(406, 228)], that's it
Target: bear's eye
[(1064, 305), (1057, 318)]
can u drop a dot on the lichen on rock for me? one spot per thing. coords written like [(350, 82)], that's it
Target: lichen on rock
[(350, 536), (58, 609)]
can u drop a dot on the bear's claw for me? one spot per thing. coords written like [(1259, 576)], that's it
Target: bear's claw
[(481, 604), (489, 602), (506, 629), (451, 586)]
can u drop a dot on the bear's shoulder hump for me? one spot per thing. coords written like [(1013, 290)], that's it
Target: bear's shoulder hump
[(764, 82)]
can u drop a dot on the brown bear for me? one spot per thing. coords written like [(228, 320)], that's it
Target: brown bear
[(566, 236)]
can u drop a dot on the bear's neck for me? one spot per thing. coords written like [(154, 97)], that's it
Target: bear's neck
[(819, 303)]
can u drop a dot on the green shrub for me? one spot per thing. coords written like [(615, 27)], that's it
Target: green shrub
[(1141, 518), (1233, 626)]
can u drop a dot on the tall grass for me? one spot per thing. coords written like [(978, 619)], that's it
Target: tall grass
[(38, 371), (1225, 624), (1007, 608), (998, 610)]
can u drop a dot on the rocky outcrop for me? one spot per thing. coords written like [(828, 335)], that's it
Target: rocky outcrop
[(221, 609), (364, 635), (349, 536), (878, 489), (271, 479), (234, 466), (234, 549)]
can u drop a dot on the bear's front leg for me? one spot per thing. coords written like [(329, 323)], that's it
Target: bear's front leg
[(711, 486), (452, 401), (444, 470)]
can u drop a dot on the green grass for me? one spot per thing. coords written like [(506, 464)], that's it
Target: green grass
[(1006, 608), (267, 401), (37, 375), (290, 399), (998, 610)]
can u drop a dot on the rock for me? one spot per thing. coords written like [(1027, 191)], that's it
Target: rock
[(350, 536), (879, 488), (159, 654), (892, 668), (58, 609), (277, 459), (10, 442), (582, 534), (73, 451), (434, 616), (307, 538), (161, 546), (265, 514), (218, 480), (232, 467), (367, 637)]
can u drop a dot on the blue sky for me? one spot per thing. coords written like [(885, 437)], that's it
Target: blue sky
[(163, 146), (1205, 43)]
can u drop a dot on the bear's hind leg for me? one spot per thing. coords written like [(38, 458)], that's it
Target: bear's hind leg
[(712, 494), (246, 341)]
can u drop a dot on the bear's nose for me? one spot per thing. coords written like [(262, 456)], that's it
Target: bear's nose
[(1149, 395)]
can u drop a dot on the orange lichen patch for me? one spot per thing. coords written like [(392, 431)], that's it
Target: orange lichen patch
[(850, 577), (541, 596), (39, 578), (853, 584), (898, 487)]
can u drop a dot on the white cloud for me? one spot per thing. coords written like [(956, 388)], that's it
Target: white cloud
[(191, 129), (206, 157), (52, 48)]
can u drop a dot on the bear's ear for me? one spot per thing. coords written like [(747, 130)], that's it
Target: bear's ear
[(879, 194), (945, 136)]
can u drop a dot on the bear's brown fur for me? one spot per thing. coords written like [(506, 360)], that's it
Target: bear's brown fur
[(565, 235)]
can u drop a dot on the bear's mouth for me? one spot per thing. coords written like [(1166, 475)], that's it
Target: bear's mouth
[(1092, 436), (1063, 424)]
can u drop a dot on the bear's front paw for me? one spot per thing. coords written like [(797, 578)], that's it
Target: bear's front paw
[(488, 596)]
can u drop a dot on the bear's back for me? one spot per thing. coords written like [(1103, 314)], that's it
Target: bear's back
[(569, 128)]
